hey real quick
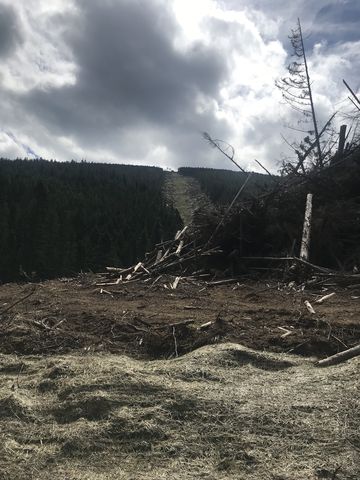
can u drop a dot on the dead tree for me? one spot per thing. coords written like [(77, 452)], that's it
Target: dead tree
[(305, 242), (296, 88)]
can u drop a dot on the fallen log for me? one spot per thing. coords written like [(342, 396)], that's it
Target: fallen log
[(339, 357)]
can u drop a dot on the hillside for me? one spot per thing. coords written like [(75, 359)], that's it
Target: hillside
[(61, 218), (221, 186)]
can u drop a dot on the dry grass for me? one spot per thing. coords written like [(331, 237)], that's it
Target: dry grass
[(220, 412)]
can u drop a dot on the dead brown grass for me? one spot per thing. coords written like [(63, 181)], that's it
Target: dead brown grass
[(221, 412)]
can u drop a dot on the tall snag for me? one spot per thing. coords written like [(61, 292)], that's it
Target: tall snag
[(296, 90)]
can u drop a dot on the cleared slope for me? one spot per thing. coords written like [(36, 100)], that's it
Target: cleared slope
[(185, 194)]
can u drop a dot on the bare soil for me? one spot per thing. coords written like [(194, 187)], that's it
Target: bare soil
[(125, 384), (152, 321)]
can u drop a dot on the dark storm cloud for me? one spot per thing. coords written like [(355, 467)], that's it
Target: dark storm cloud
[(123, 80), (344, 13), (338, 22), (10, 32), (128, 72)]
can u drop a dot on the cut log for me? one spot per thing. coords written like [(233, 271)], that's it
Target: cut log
[(339, 357)]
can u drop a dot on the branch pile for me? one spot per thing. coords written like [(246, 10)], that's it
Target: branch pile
[(172, 256)]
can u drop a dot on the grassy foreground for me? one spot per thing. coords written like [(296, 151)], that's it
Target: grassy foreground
[(222, 411)]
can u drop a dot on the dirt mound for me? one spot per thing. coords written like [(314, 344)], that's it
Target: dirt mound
[(222, 411)]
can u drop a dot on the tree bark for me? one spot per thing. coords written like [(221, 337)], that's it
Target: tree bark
[(305, 241)]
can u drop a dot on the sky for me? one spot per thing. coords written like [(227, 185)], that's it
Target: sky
[(138, 81)]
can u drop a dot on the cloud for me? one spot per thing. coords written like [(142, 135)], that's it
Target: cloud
[(137, 81), (128, 71), (341, 20), (10, 30), (9, 148)]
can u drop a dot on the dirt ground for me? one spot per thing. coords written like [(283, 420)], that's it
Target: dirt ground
[(128, 383), (152, 321)]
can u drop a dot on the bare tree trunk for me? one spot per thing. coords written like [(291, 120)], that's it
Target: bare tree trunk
[(317, 136), (305, 241), (342, 138)]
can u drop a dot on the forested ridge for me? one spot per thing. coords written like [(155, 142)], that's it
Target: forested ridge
[(221, 186), (60, 218)]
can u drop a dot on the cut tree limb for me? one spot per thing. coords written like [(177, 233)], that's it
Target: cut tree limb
[(178, 250), (174, 285), (340, 357), (18, 301), (325, 297), (309, 307)]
